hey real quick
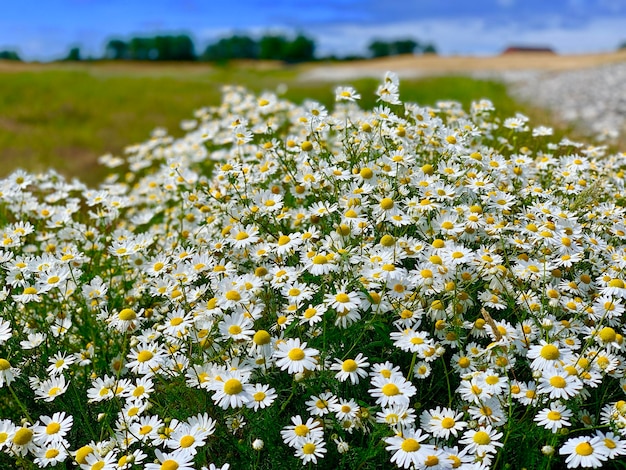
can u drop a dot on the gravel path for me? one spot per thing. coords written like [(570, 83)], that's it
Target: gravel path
[(593, 98)]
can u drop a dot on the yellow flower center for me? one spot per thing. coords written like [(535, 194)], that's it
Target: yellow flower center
[(233, 295), (482, 438), (550, 352), (22, 437), (234, 329), (233, 387), (554, 415), (51, 453), (410, 445), (320, 259), (584, 449), (82, 453), (390, 390), (261, 337), (53, 428), (187, 441), (607, 334), (169, 465), (308, 448), (144, 355), (301, 430), (349, 365), (386, 203), (557, 381), (127, 315), (4, 365), (296, 354), (447, 423)]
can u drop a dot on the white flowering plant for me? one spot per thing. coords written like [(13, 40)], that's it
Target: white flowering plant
[(286, 285)]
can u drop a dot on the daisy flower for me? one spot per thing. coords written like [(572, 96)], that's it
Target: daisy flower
[(5, 330), (396, 415), (345, 409), (352, 369), (343, 300), (145, 358), (187, 437), (585, 451), (51, 388), (395, 390), (59, 362), (310, 449), (311, 429), (322, 404), (232, 391), (6, 372), (312, 314), (51, 454), (236, 327), (22, 440), (180, 459), (262, 396), (545, 355), (483, 440), (613, 443), (558, 383), (408, 450), (52, 429), (441, 422), (346, 93), (554, 417), (294, 357)]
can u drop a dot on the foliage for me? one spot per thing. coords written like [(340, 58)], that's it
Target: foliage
[(160, 48), (73, 55), (287, 285), (379, 48), (9, 55)]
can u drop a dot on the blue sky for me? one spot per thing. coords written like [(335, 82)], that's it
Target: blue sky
[(46, 29)]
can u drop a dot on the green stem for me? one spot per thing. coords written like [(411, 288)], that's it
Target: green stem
[(413, 359), (19, 402)]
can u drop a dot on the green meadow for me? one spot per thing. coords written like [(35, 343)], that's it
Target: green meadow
[(65, 116)]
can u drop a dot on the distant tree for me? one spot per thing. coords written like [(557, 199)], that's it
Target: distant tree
[(403, 46), (234, 47), (272, 47), (301, 49), (429, 49), (379, 49), (622, 45), (73, 55), (9, 55), (174, 48), (183, 48), (116, 50), (142, 49)]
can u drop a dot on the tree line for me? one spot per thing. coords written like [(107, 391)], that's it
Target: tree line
[(298, 48)]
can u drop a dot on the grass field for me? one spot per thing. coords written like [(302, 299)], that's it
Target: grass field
[(64, 116)]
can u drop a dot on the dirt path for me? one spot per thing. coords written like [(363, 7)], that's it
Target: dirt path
[(416, 66)]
